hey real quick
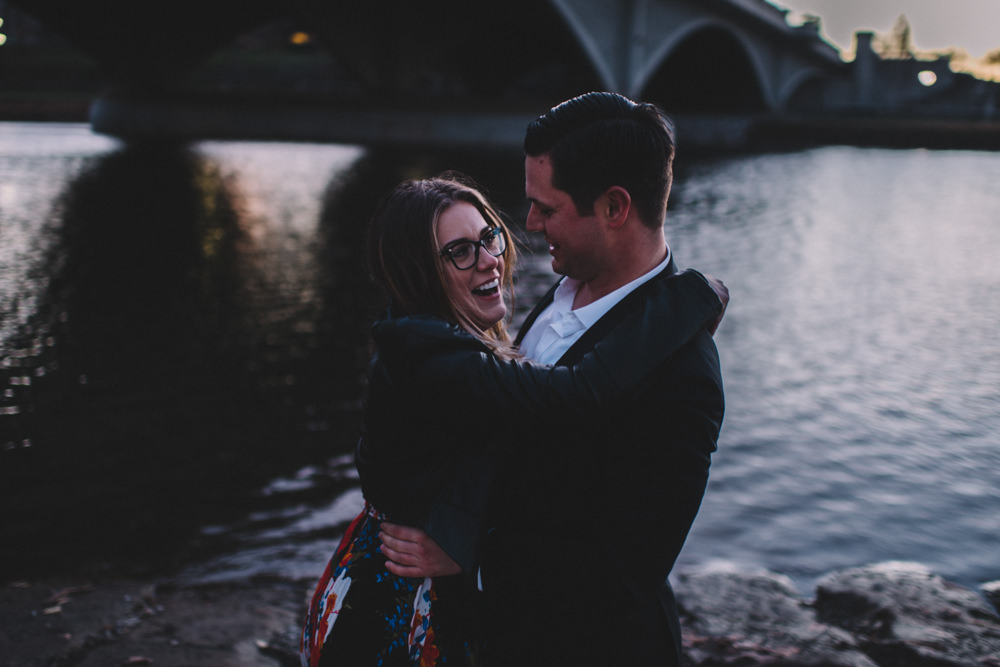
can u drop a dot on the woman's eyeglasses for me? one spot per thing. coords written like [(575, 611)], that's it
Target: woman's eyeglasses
[(465, 254)]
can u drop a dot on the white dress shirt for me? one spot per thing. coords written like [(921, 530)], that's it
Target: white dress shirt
[(559, 325)]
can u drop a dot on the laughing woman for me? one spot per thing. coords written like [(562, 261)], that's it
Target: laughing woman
[(446, 392)]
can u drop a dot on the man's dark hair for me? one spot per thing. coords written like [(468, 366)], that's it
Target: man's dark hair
[(599, 140)]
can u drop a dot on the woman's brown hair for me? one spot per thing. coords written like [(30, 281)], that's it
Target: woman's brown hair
[(403, 255)]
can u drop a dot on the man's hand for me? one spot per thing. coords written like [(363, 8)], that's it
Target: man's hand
[(411, 553), (722, 292)]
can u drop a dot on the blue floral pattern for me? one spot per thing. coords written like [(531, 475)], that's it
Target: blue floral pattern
[(362, 614)]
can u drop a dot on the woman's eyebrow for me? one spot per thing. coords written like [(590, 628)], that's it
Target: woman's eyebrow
[(486, 230)]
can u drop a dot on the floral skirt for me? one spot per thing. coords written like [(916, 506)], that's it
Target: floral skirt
[(362, 614)]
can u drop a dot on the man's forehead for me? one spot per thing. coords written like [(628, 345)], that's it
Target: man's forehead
[(538, 175)]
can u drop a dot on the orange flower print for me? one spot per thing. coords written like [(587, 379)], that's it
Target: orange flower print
[(429, 652)]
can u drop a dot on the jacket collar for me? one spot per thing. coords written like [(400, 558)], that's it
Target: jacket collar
[(601, 328)]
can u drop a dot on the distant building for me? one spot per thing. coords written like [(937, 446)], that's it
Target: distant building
[(911, 87)]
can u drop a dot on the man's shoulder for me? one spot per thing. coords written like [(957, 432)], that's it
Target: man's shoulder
[(653, 290), (699, 356)]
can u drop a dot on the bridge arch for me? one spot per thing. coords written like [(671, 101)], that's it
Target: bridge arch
[(590, 43), (150, 45), (628, 43), (707, 69), (693, 31), (804, 91)]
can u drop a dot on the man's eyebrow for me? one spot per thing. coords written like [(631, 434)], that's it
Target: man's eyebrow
[(540, 204)]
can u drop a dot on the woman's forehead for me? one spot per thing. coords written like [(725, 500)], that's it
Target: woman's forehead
[(461, 220)]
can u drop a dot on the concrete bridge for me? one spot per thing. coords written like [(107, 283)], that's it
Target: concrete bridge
[(437, 71), (630, 43)]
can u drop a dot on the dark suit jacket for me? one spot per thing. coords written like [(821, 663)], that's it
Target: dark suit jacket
[(575, 568)]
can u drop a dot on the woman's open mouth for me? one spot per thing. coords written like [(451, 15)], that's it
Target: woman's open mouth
[(488, 289)]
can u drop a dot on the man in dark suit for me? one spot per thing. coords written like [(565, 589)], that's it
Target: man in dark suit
[(574, 569)]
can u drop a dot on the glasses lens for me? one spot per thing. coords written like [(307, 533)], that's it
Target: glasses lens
[(495, 242), (463, 255)]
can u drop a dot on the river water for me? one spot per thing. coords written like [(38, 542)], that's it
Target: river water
[(182, 346)]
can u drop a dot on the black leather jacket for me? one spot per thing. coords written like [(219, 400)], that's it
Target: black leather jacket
[(437, 398)]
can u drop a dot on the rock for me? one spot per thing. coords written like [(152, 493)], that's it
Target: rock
[(902, 614), (892, 614), (992, 593), (283, 646), (733, 617)]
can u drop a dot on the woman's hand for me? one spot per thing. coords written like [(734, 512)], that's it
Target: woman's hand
[(410, 552)]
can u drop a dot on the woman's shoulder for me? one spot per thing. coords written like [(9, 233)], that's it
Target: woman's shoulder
[(417, 333)]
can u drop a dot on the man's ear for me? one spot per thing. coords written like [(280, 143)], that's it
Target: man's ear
[(615, 205)]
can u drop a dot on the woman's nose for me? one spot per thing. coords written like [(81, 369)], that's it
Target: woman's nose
[(486, 260)]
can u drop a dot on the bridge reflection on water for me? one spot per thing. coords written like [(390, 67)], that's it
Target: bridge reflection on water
[(178, 325), (183, 338)]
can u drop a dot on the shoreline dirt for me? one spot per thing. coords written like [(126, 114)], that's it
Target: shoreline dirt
[(893, 613), (62, 622)]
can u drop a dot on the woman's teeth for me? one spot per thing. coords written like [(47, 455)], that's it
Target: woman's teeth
[(487, 288)]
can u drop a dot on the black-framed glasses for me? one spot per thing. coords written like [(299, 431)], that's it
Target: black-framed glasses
[(465, 254)]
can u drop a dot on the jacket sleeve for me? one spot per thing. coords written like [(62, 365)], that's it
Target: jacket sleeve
[(456, 517), (673, 315), (467, 377)]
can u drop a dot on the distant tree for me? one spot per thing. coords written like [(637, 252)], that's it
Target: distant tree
[(992, 57), (954, 54), (897, 44)]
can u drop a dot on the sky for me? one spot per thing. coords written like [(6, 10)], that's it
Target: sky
[(973, 25)]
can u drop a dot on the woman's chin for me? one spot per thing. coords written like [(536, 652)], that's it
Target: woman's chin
[(490, 316)]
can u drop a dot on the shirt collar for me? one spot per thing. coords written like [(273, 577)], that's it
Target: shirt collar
[(562, 299)]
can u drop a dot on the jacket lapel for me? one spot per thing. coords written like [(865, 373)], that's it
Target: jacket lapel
[(542, 304), (603, 326)]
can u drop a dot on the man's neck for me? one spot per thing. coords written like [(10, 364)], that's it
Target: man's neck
[(591, 290)]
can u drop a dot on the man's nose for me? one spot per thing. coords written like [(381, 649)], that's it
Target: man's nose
[(533, 223)]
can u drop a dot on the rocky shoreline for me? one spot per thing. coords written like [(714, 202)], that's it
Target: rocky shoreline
[(882, 615), (893, 614), (59, 623)]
